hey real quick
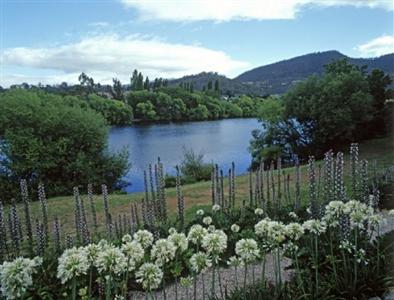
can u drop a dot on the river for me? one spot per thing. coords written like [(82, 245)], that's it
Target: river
[(221, 142)]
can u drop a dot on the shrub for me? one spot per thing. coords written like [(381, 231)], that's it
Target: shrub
[(44, 139)]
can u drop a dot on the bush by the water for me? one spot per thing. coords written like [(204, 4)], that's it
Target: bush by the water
[(50, 139)]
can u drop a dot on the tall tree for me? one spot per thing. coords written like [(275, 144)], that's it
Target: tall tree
[(146, 83), (209, 85), (217, 85), (117, 90), (134, 80), (140, 82)]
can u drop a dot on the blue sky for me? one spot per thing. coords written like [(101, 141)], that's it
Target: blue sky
[(54, 41)]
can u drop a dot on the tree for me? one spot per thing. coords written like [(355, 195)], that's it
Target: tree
[(319, 113), (146, 83), (378, 82), (217, 89), (199, 113), (145, 111), (86, 83), (140, 82), (50, 139), (209, 85), (117, 90), (134, 80)]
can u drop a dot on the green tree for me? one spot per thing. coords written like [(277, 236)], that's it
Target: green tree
[(145, 111), (199, 113), (45, 139), (217, 88), (319, 113), (117, 90), (146, 83), (209, 85)]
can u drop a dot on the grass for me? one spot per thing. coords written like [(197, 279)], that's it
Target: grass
[(198, 195)]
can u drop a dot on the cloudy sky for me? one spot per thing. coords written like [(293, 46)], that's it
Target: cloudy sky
[(51, 41)]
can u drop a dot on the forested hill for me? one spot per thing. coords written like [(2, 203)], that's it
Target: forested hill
[(276, 78), (228, 87)]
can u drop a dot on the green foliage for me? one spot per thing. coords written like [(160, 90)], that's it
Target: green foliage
[(115, 112), (45, 139), (321, 113), (145, 110), (193, 167), (181, 103)]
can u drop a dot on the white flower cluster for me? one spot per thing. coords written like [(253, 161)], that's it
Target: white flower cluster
[(199, 262), (150, 276), (273, 232), (72, 263), (196, 233), (215, 243), (163, 251), (247, 250), (17, 276)]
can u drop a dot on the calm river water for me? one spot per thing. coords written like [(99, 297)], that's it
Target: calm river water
[(221, 142)]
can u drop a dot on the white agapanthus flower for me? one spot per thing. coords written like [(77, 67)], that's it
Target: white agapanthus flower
[(73, 263), (216, 207), (179, 240), (247, 250), (133, 251), (275, 233), (293, 215), (333, 212), (211, 228), (207, 220), (314, 226), (92, 251), (172, 230), (294, 231), (111, 261), (127, 238), (391, 212), (199, 262), (234, 261), (235, 228), (186, 281), (150, 276), (196, 233), (17, 276), (215, 243), (163, 251), (358, 213), (144, 237), (259, 211), (200, 212), (261, 227)]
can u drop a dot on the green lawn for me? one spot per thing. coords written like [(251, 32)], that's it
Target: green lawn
[(199, 194)]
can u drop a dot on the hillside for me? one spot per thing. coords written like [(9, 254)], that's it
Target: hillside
[(229, 87), (276, 78)]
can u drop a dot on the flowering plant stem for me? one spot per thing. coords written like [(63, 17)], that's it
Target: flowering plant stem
[(108, 289), (74, 288), (316, 264), (213, 281), (355, 258)]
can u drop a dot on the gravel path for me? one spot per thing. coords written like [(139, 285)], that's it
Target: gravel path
[(231, 279)]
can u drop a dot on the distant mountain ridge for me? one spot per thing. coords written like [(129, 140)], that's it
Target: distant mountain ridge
[(277, 78)]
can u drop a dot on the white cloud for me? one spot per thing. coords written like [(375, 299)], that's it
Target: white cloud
[(378, 46), (107, 56), (99, 24), (226, 10)]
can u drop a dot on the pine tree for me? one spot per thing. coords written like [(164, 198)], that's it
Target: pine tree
[(117, 90), (133, 80), (146, 83), (140, 82), (217, 85), (210, 85)]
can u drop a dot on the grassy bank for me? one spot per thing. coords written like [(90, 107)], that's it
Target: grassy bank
[(198, 195)]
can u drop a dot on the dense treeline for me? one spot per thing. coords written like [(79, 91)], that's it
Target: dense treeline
[(55, 140), (344, 105), (177, 104)]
